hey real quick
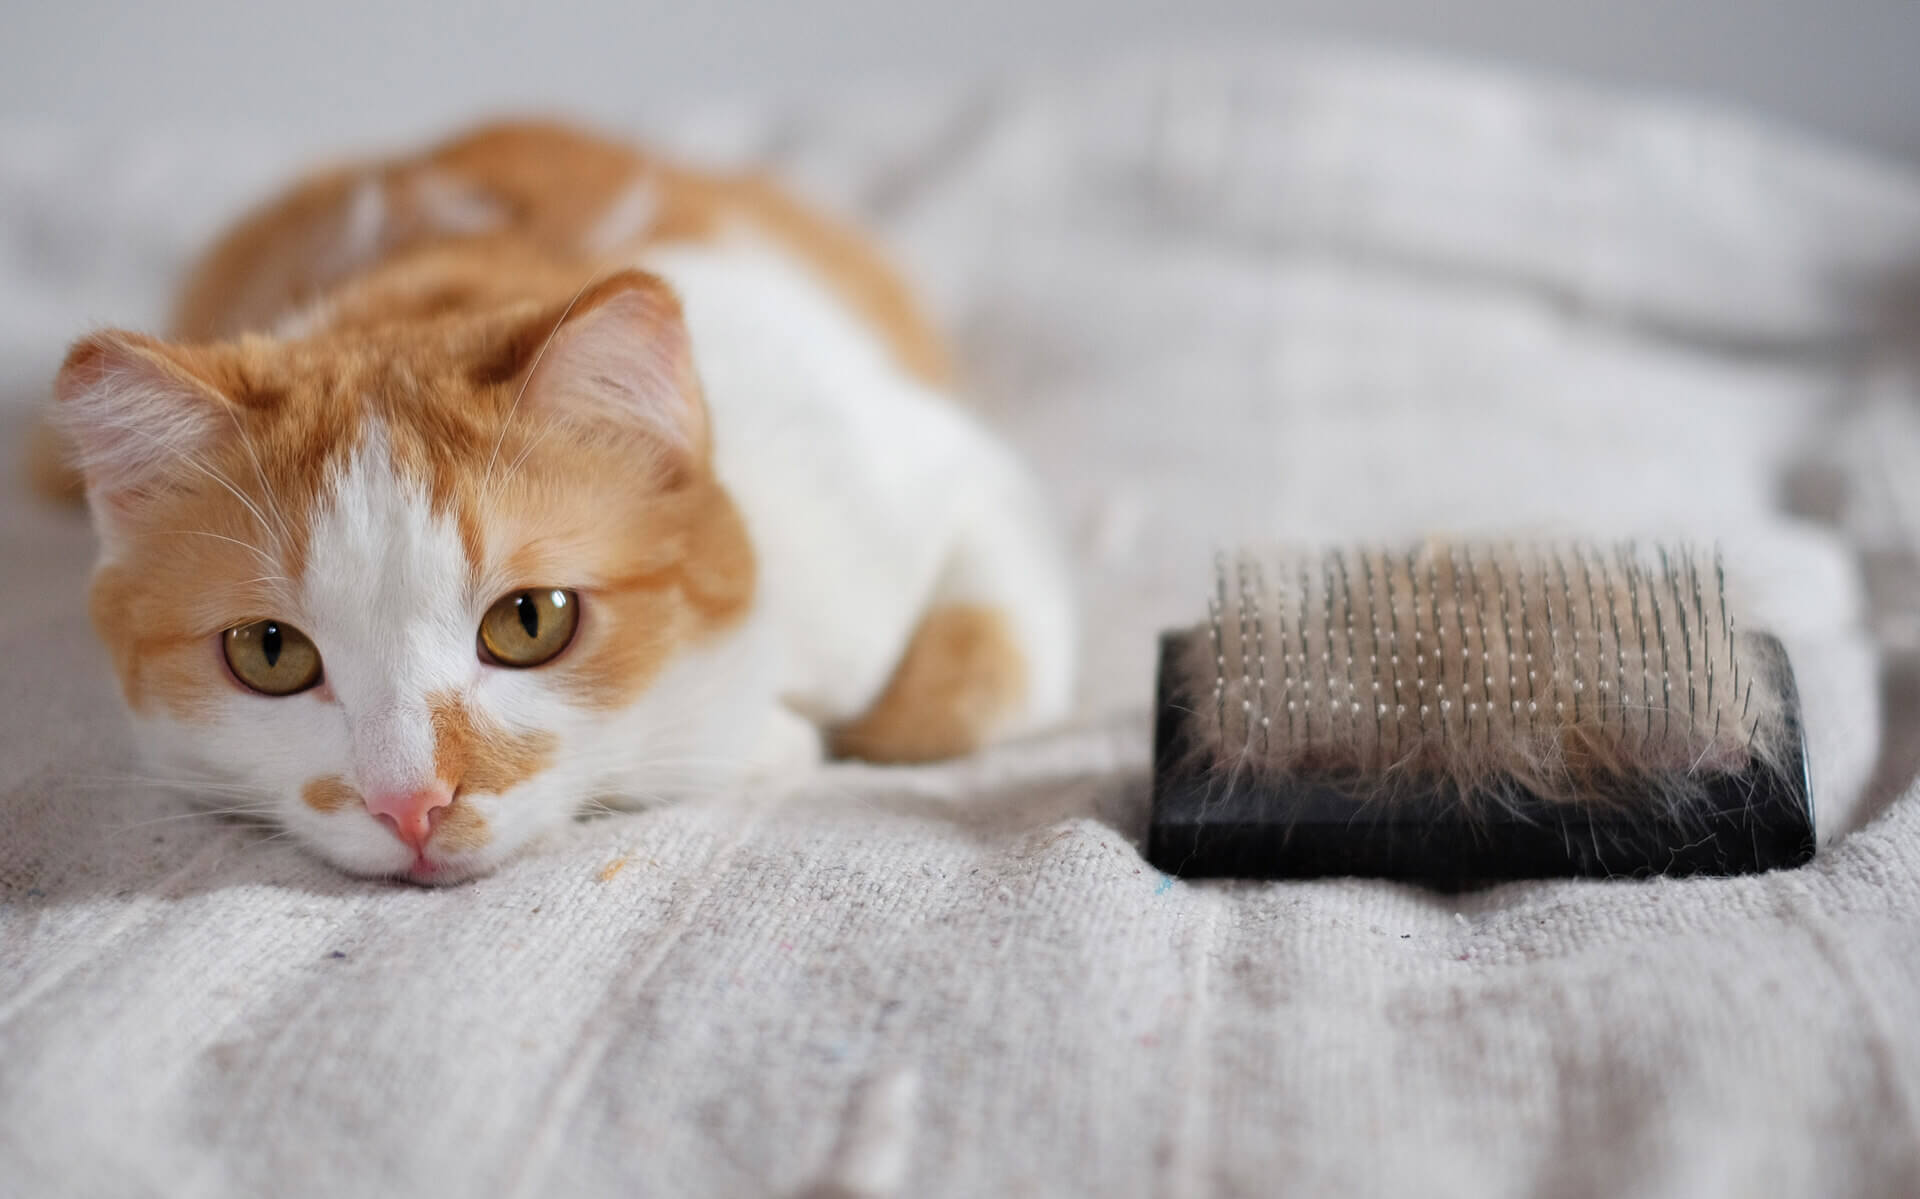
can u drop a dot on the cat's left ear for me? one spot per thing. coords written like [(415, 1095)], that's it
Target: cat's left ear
[(619, 356)]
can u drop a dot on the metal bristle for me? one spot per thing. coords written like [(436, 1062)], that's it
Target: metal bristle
[(1466, 655), (1686, 639), (1419, 644), (1260, 655), (1526, 643), (1619, 653), (1666, 672), (1700, 621), (1573, 633), (1246, 654), (1630, 567), (1300, 659), (1729, 627), (1506, 641), (1326, 655), (1599, 666), (1439, 648), (1216, 613), (1399, 708), (1346, 608), (1486, 662), (1373, 659)]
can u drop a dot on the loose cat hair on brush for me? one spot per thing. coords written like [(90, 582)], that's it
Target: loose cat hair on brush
[(1506, 680)]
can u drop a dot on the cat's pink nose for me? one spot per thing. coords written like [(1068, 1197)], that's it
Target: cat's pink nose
[(411, 814)]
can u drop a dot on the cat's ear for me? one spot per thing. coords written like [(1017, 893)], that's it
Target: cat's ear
[(619, 355), (132, 413)]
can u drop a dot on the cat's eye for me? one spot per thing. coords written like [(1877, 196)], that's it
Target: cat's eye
[(272, 657), (529, 628)]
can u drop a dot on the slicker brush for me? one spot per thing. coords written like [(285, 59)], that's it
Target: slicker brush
[(1458, 713)]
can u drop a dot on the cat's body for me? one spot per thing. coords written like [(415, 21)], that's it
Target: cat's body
[(539, 368)]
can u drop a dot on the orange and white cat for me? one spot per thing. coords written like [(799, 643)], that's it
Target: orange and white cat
[(533, 471)]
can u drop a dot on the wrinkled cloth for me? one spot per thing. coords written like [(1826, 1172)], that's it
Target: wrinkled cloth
[(1265, 295)]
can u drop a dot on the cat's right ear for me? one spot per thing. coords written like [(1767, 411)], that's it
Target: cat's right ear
[(132, 415), (619, 357)]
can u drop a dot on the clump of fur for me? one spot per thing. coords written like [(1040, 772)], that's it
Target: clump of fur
[(1571, 673)]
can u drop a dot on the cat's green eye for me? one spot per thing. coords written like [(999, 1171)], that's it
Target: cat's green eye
[(271, 657), (529, 628)]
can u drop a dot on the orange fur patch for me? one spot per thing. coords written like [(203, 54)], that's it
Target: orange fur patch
[(272, 260), (701, 208), (49, 467), (329, 793), (659, 563), (961, 674), (551, 185), (460, 827), (476, 755), (158, 619)]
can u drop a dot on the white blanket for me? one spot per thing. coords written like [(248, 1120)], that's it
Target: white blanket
[(1267, 295)]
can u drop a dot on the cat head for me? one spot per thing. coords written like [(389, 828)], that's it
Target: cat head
[(418, 591)]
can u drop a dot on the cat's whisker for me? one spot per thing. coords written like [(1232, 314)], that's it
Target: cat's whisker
[(245, 545), (141, 781), (486, 481), (268, 842), (266, 487), (194, 461), (256, 815), (279, 835), (196, 812), (694, 768), (663, 763), (552, 424)]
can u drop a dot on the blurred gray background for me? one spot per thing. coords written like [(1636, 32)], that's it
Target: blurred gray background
[(369, 70)]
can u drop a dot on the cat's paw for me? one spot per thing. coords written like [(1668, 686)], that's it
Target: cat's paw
[(789, 746)]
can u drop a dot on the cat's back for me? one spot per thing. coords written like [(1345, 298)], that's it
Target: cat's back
[(572, 199)]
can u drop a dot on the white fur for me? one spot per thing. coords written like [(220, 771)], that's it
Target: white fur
[(630, 215), (132, 420), (305, 322), (363, 230), (867, 496), (450, 205)]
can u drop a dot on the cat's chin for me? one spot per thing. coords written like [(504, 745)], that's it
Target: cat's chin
[(422, 869), (426, 872)]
